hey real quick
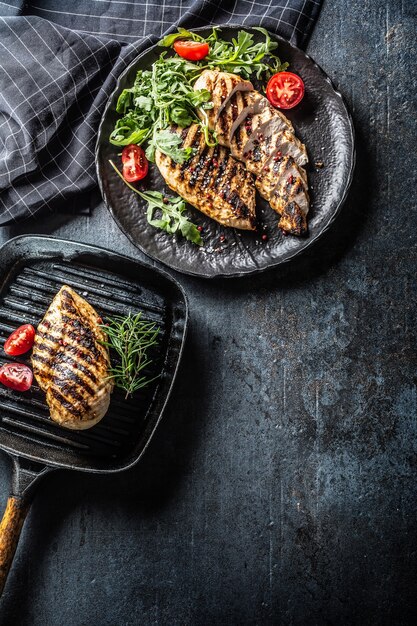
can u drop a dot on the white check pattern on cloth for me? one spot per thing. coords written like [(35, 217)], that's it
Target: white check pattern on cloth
[(59, 67)]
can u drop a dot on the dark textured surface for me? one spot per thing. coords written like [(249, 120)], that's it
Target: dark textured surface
[(281, 486), (321, 121)]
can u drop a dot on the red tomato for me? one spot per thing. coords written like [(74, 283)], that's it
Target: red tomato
[(191, 50), (20, 341), (285, 90), (135, 163), (16, 376)]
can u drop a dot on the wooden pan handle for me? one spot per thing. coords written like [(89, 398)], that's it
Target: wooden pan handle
[(10, 527)]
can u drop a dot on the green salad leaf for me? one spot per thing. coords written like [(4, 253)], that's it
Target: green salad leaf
[(182, 33), (168, 143), (166, 212)]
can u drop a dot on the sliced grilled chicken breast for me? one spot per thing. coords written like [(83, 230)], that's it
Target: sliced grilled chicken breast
[(70, 363), (283, 185), (263, 138), (212, 181), (222, 86)]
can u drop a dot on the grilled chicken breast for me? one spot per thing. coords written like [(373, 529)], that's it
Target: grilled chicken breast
[(70, 363), (212, 181), (263, 138)]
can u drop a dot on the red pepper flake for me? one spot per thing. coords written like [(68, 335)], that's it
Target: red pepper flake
[(99, 319), (215, 163), (200, 228), (290, 179), (278, 156), (264, 237), (222, 238)]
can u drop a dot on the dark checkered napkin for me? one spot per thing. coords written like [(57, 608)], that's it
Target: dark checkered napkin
[(58, 68)]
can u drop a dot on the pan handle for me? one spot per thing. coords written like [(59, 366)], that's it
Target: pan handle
[(24, 479), (10, 527)]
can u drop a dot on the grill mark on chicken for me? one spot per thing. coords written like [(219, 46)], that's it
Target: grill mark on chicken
[(221, 170), (238, 205), (66, 359), (69, 390), (200, 174), (293, 219), (70, 374), (224, 87), (223, 91), (201, 166), (240, 137), (214, 182), (73, 364), (67, 405), (81, 336), (46, 335), (206, 179), (41, 358)]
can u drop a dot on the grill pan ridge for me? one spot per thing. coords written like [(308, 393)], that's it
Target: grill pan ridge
[(32, 270)]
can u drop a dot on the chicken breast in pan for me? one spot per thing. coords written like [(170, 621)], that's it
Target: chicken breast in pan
[(70, 362), (212, 181), (263, 139)]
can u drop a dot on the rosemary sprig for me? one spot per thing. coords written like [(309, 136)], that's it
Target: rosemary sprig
[(131, 337)]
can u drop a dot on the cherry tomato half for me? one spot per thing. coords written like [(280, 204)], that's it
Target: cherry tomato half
[(16, 376), (20, 341), (285, 90), (191, 50), (135, 163)]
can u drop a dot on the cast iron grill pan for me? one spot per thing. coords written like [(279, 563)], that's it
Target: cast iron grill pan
[(26, 415), (34, 269)]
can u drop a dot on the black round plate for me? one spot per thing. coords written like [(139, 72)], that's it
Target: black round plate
[(321, 121)]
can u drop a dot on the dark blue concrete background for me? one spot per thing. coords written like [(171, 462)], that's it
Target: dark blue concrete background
[(281, 486)]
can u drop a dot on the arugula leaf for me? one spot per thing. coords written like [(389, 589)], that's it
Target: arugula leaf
[(172, 218), (166, 212), (125, 99), (181, 34), (243, 56), (144, 102), (127, 131), (168, 143), (200, 96)]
